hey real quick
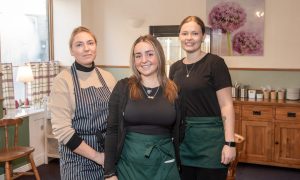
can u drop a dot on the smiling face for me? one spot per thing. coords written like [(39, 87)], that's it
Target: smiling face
[(191, 37), (145, 59), (83, 48)]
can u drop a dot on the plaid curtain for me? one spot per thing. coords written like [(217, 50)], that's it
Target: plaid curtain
[(43, 73), (8, 85)]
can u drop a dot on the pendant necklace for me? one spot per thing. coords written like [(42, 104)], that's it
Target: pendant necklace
[(188, 72), (149, 91)]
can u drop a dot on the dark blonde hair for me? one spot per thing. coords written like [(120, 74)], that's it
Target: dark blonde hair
[(79, 30), (168, 86), (193, 19)]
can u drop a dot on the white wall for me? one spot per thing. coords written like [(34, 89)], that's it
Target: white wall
[(112, 20), (66, 16)]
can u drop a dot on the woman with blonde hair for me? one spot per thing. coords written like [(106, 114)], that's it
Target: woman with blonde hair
[(143, 119), (79, 108)]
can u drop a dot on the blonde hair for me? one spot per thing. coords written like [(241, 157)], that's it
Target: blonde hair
[(168, 86), (193, 19), (79, 30)]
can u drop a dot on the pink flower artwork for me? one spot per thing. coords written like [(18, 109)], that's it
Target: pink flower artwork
[(227, 16), (247, 43), (237, 26)]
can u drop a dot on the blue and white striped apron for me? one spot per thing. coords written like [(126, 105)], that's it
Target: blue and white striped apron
[(90, 116)]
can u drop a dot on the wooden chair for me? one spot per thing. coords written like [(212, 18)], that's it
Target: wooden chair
[(11, 151), (239, 140)]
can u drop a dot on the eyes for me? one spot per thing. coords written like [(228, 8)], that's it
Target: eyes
[(148, 54), (185, 33), (82, 44)]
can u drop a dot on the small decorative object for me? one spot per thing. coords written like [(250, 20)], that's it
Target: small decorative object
[(244, 91), (251, 93), (26, 102), (17, 104), (24, 75), (273, 95), (20, 102), (259, 96)]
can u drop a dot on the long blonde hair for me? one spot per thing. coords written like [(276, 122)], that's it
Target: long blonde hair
[(169, 87)]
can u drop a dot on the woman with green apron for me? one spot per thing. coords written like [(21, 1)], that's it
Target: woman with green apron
[(204, 81), (142, 141)]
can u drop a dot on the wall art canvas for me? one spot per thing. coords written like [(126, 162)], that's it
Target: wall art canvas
[(237, 27)]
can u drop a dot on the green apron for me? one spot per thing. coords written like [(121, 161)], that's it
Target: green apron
[(147, 157), (203, 142)]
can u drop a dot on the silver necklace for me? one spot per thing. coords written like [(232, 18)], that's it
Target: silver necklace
[(147, 92), (188, 72)]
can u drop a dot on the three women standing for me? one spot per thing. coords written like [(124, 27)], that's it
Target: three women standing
[(205, 84)]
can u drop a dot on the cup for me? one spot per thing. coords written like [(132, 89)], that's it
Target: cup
[(251, 93), (234, 92), (273, 94), (259, 96), (280, 95), (266, 94), (244, 92)]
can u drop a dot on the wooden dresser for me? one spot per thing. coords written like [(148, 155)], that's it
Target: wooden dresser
[(271, 129)]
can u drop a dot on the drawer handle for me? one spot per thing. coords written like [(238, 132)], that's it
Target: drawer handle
[(291, 114), (257, 113)]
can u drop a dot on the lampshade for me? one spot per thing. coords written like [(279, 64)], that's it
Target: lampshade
[(24, 74)]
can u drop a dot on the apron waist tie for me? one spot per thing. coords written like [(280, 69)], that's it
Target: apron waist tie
[(159, 147), (204, 121)]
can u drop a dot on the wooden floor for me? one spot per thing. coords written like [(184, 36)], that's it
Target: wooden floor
[(244, 172)]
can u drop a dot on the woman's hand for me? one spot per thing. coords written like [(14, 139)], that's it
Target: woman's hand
[(99, 158), (228, 154), (112, 178)]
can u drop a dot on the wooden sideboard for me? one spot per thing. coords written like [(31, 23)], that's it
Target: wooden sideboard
[(271, 129)]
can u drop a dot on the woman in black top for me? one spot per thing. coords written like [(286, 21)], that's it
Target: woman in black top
[(205, 84), (143, 119)]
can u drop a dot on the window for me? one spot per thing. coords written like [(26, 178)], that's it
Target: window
[(24, 35)]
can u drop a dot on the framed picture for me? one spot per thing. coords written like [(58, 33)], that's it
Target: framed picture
[(237, 27)]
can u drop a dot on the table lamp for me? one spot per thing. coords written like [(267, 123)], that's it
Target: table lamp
[(24, 75)]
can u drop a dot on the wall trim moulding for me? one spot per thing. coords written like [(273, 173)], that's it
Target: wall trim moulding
[(243, 69)]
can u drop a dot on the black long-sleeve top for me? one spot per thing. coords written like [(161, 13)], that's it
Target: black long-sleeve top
[(115, 134)]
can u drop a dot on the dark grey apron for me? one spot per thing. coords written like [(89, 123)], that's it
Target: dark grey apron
[(90, 117), (203, 142), (147, 157)]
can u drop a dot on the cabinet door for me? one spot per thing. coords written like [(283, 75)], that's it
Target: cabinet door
[(258, 141), (37, 137), (287, 143)]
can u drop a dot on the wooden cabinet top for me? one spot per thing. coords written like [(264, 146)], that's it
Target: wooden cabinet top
[(269, 102)]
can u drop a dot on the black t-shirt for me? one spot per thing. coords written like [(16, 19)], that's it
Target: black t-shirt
[(206, 76), (150, 116)]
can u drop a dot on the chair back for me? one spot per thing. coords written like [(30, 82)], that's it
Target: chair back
[(5, 124), (239, 140)]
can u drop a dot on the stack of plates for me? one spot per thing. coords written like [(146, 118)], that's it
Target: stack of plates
[(293, 93)]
